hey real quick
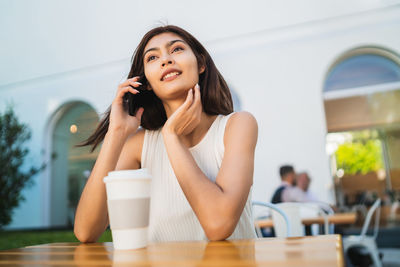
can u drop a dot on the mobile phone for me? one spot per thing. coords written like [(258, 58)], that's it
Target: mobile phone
[(133, 102)]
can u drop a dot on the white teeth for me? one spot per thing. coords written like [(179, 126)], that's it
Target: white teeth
[(170, 75)]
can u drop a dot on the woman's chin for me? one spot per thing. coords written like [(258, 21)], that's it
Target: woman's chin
[(173, 92)]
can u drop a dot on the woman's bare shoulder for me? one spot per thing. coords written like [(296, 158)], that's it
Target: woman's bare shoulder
[(242, 118), (138, 135), (241, 124), (130, 157), (135, 141)]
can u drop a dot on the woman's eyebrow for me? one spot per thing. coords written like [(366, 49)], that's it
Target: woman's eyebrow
[(167, 45)]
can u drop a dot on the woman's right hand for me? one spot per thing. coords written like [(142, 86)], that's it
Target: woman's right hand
[(120, 120)]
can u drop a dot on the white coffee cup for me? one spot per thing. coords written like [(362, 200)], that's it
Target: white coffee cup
[(128, 202)]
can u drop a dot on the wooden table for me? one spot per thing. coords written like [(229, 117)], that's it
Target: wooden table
[(337, 218), (301, 251)]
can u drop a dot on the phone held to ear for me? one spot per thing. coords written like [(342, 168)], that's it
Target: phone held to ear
[(132, 102)]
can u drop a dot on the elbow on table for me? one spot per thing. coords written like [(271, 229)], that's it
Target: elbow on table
[(219, 231), (84, 236)]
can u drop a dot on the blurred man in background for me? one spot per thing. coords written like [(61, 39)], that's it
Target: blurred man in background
[(299, 192), (288, 179)]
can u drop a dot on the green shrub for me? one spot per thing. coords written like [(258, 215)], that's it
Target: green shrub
[(360, 156), (13, 135)]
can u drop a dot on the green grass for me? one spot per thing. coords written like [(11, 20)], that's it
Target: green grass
[(18, 239)]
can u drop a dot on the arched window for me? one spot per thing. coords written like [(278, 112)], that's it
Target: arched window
[(361, 90), (362, 70)]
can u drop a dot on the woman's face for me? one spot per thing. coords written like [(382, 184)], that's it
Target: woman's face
[(170, 66)]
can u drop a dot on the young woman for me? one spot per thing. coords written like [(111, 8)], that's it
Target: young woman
[(200, 153)]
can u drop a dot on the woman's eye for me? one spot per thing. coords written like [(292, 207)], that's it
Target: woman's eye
[(150, 58), (178, 48)]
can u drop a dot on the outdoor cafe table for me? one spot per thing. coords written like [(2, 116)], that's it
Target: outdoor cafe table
[(337, 218), (323, 250)]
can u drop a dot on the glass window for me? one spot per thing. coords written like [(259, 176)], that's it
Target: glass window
[(362, 70)]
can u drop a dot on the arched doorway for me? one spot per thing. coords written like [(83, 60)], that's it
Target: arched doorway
[(70, 165), (362, 100)]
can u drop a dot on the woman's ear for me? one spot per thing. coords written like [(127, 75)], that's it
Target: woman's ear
[(202, 69), (202, 64)]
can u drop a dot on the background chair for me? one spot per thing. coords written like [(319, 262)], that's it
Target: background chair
[(293, 212), (280, 219), (365, 241), (321, 209), (393, 210), (329, 211), (298, 210)]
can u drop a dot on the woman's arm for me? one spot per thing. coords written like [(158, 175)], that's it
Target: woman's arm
[(218, 205), (91, 218)]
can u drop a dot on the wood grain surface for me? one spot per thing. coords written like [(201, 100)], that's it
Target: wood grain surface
[(323, 250)]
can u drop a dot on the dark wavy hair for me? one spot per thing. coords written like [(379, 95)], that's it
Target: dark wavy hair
[(215, 95)]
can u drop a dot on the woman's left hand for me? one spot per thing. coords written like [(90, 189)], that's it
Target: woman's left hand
[(187, 117)]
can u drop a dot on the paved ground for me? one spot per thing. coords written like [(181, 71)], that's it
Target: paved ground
[(391, 257)]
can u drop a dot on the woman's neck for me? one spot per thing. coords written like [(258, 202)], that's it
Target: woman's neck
[(195, 136), (172, 105)]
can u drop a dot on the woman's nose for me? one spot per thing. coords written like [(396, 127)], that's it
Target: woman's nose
[(166, 61)]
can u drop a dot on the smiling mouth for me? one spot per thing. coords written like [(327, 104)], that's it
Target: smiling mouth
[(170, 76)]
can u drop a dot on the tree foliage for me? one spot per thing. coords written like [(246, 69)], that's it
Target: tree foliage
[(13, 135), (361, 155)]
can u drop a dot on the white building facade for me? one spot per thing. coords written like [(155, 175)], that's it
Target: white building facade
[(275, 55)]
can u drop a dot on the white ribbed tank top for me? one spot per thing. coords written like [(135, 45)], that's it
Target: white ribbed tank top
[(171, 216)]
